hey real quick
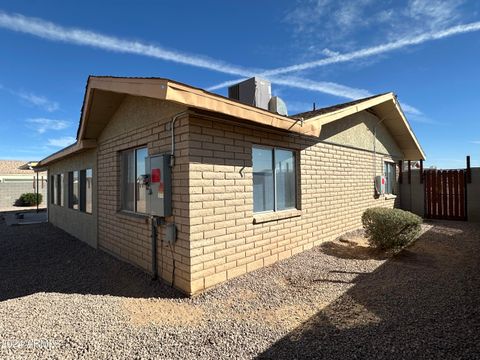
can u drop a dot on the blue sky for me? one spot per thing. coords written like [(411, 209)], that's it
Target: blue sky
[(321, 51)]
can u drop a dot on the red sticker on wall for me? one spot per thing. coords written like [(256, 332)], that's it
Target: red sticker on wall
[(156, 175)]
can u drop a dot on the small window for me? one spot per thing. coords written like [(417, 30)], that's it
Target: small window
[(62, 189), (390, 177), (88, 190), (73, 190), (133, 190), (53, 189), (274, 179), (58, 192)]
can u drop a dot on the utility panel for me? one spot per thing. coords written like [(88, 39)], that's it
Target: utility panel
[(254, 91), (159, 189), (380, 185)]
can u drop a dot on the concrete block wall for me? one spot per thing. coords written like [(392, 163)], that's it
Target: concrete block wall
[(334, 187), (473, 196), (218, 235), (10, 191), (143, 122), (412, 195)]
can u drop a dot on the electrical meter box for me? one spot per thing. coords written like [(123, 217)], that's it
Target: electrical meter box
[(380, 184), (159, 189)]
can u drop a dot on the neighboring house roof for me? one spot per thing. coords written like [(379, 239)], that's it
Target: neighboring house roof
[(14, 167), (104, 95)]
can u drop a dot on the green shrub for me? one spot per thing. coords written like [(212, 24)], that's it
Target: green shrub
[(390, 228), (30, 199)]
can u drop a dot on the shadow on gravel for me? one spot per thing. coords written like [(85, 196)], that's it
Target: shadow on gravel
[(351, 251), (42, 258), (422, 303)]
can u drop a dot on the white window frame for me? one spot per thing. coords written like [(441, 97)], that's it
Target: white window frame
[(272, 149)]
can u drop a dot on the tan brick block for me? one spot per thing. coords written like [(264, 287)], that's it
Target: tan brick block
[(270, 260), (215, 279), (254, 265), (197, 285), (284, 254), (239, 270)]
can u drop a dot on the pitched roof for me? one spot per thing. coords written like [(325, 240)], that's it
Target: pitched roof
[(104, 94), (310, 114), (12, 167)]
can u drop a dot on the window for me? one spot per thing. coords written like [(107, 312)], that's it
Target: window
[(58, 189), (53, 191), (133, 189), (73, 190), (274, 180), (62, 190), (390, 177), (88, 190)]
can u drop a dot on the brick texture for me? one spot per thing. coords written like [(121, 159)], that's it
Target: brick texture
[(141, 122), (334, 187), (219, 236)]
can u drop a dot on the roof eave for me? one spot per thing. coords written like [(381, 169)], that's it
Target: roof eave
[(75, 148), (415, 153)]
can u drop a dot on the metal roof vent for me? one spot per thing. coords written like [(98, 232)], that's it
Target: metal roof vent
[(254, 91), (278, 106)]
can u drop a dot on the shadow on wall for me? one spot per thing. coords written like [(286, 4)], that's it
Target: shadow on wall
[(42, 258), (421, 304)]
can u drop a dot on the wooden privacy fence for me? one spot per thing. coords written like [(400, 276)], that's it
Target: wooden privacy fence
[(445, 194)]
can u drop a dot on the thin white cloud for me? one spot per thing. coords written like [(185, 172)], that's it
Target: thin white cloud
[(51, 31), (411, 110), (477, 142), (433, 14), (325, 87), (378, 50), (41, 125), (39, 101), (61, 142), (339, 23)]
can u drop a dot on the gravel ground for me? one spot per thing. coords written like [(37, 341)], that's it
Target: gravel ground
[(61, 299)]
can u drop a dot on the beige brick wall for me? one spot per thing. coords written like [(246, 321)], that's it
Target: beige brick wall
[(143, 122), (227, 239), (219, 236)]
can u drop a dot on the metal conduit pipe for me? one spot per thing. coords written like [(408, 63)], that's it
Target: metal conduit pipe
[(154, 220), (172, 131), (375, 147)]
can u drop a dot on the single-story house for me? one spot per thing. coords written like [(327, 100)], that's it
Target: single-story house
[(198, 188)]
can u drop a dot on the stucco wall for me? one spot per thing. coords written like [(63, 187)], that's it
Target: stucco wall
[(79, 224), (473, 196), (144, 122), (335, 186), (358, 130)]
